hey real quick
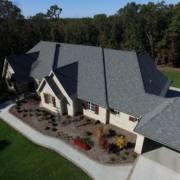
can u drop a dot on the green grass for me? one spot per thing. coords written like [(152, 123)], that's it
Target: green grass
[(173, 74), (22, 159)]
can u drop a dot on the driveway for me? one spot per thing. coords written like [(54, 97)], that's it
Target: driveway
[(158, 164)]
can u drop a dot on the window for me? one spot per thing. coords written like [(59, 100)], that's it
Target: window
[(49, 99), (117, 113), (90, 106)]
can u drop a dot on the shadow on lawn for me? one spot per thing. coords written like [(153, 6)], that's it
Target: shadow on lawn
[(3, 144)]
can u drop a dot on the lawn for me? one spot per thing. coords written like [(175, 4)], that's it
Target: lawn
[(173, 74), (22, 159)]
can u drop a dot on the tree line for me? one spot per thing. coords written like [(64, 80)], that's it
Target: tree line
[(151, 27)]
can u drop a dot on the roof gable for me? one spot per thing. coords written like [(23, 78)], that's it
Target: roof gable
[(68, 77)]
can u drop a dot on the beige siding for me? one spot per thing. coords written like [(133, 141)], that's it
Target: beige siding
[(69, 102), (139, 144), (122, 121), (102, 116), (47, 90)]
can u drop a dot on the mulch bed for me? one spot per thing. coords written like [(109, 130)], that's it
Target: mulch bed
[(70, 130)]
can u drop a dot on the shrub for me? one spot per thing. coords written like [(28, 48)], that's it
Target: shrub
[(123, 158), (86, 119), (118, 153), (88, 133), (134, 156), (51, 116), (88, 141), (17, 107), (19, 111), (103, 142), (68, 116), (112, 159), (54, 124), (81, 144), (81, 117), (23, 115), (111, 131), (120, 142), (53, 129), (24, 110), (46, 128), (49, 121), (126, 153), (99, 131), (53, 120)]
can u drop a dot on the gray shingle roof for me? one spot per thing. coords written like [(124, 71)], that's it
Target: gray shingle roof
[(21, 65), (154, 81), (68, 77), (44, 64), (162, 124), (54, 87)]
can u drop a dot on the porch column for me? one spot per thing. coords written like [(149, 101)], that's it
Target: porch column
[(139, 144)]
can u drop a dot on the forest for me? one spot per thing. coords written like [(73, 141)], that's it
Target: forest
[(151, 27)]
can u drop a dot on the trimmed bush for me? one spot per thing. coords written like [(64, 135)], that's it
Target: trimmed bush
[(54, 124), (88, 133), (112, 159), (46, 128), (81, 144), (68, 116), (126, 153), (111, 131), (53, 129), (103, 142), (99, 131), (123, 158), (134, 156)]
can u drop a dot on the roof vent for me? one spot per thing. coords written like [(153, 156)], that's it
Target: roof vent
[(150, 81)]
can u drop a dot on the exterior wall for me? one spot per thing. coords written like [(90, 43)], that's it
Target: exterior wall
[(139, 144), (47, 90), (102, 116), (69, 103), (123, 122)]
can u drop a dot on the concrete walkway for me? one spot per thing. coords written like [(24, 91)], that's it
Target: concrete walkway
[(95, 170)]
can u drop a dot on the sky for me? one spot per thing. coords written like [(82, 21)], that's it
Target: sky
[(77, 8)]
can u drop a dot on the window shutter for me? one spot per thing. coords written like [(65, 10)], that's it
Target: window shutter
[(84, 104), (54, 101), (112, 111), (131, 118), (45, 98), (96, 109)]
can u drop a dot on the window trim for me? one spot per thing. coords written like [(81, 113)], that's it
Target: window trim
[(90, 107)]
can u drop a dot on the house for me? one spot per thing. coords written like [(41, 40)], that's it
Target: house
[(117, 87)]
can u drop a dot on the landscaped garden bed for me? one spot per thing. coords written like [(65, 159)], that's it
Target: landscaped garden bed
[(104, 143)]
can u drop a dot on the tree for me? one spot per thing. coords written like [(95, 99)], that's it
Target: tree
[(11, 21), (54, 12)]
